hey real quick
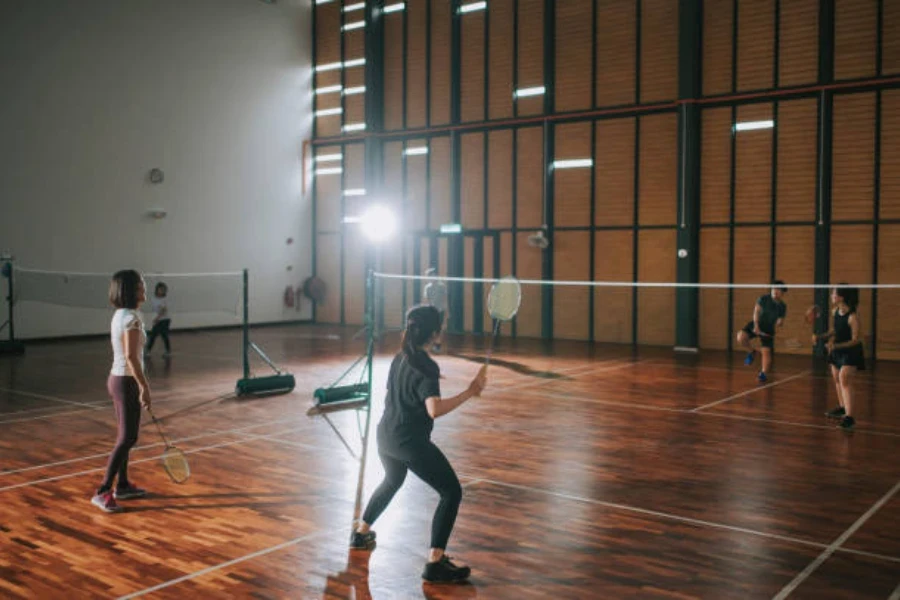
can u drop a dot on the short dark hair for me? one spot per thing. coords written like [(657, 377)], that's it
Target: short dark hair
[(849, 294), (780, 284), (162, 285), (123, 288)]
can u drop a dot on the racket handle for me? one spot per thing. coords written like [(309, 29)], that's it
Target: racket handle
[(490, 352), (158, 427)]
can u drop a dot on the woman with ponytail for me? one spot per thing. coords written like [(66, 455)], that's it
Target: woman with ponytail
[(845, 350), (412, 404)]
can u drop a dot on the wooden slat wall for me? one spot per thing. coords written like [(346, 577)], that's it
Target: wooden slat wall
[(393, 183), (795, 249), (853, 180), (530, 177), (616, 52), (890, 36), (472, 180), (656, 306), (755, 44), (797, 131), (798, 55), (416, 218), (393, 72), (658, 179), (355, 177), (574, 33), (718, 22), (613, 261), (614, 172), (440, 62), (500, 144), (468, 288), (439, 156), (855, 25), (328, 50), (354, 279), (890, 155), (713, 311), (528, 266), (888, 327), (715, 166), (328, 268), (659, 50), (472, 66), (753, 167), (416, 12), (355, 105), (531, 54), (328, 195), (752, 264), (851, 257), (571, 253), (500, 67), (389, 292), (572, 187)]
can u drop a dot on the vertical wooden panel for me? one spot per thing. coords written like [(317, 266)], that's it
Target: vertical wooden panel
[(472, 180), (572, 187), (753, 167), (796, 129), (853, 175), (472, 66), (890, 154), (487, 261), (354, 279), (528, 266), (441, 209), (500, 169), (616, 51), (752, 264), (355, 109), (416, 190), (658, 183), (573, 55), (656, 306), (571, 262), (354, 41), (328, 198), (469, 259), (355, 178), (613, 261), (854, 38), (852, 254), (659, 50), (389, 292), (440, 62), (713, 312), (530, 177), (415, 62), (531, 53), (798, 55), (756, 44), (328, 268), (718, 16), (888, 326), (500, 48), (393, 74), (795, 254), (890, 39), (393, 184), (328, 33), (614, 172), (715, 166)]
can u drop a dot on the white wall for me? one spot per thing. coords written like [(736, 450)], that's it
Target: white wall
[(95, 93)]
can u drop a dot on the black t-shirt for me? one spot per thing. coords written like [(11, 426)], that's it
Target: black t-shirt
[(410, 382), (772, 310)]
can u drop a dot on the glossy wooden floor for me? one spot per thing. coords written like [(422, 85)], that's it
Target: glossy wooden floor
[(589, 472)]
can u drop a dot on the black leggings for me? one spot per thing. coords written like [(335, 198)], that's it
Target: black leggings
[(126, 399), (160, 329), (431, 466)]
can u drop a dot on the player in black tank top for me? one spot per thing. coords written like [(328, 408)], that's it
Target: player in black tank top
[(845, 350), (768, 316)]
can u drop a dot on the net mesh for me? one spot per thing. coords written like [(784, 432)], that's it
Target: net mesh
[(176, 465), (188, 292), (645, 313)]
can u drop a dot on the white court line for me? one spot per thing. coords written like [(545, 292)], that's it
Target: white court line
[(229, 563), (43, 397), (750, 391), (50, 416), (896, 594), (836, 544)]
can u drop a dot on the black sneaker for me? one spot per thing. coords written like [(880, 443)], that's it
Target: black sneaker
[(847, 423), (362, 541), (444, 571), (836, 413)]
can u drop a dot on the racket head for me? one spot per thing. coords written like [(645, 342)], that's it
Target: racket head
[(812, 314), (176, 465), (504, 298)]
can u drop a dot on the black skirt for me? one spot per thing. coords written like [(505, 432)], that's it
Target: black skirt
[(848, 357)]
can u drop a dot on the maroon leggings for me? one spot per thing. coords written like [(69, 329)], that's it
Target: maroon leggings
[(126, 398)]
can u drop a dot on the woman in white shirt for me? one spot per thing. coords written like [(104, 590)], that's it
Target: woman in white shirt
[(127, 386)]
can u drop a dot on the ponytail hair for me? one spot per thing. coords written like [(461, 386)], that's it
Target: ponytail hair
[(850, 295), (422, 322)]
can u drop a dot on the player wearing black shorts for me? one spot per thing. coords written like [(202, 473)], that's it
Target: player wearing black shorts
[(768, 316)]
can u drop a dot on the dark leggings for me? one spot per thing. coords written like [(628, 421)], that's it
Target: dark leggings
[(160, 329), (431, 466), (125, 394)]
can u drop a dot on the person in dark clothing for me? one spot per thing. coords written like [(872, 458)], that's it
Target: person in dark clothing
[(412, 404), (768, 315), (845, 350)]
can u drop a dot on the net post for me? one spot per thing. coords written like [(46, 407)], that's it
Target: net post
[(245, 343), (11, 346), (370, 353)]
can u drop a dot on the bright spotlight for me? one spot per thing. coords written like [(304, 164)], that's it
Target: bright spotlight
[(378, 223)]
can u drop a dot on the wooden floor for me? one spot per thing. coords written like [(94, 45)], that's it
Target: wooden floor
[(589, 472)]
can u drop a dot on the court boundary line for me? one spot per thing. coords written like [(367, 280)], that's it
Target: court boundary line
[(835, 545), (750, 391), (43, 397)]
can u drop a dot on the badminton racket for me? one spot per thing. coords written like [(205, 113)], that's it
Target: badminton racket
[(503, 304), (173, 460)]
